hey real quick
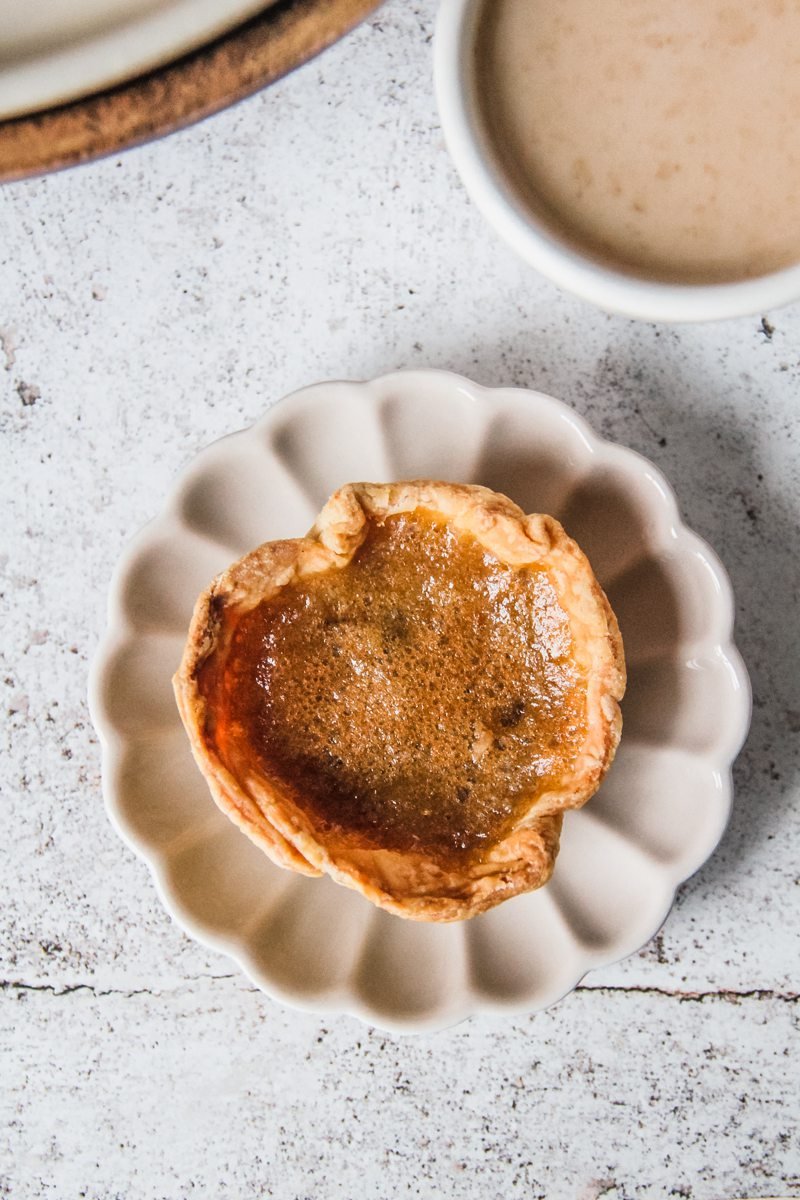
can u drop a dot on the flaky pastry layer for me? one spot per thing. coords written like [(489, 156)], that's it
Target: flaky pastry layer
[(417, 884)]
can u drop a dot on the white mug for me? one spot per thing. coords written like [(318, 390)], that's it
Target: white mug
[(648, 299)]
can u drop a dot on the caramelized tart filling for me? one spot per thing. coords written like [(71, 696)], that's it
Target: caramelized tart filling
[(416, 697)]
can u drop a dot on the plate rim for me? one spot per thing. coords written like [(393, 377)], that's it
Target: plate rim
[(112, 743), (113, 50), (219, 73)]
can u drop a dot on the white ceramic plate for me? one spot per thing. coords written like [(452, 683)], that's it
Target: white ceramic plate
[(52, 51), (660, 813)]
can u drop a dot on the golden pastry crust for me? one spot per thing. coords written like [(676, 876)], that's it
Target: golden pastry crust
[(411, 883)]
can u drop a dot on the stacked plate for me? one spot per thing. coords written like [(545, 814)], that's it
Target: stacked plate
[(83, 79)]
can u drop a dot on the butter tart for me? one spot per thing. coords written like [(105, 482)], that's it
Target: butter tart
[(410, 697)]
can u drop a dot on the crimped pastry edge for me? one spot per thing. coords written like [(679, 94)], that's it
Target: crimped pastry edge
[(411, 884)]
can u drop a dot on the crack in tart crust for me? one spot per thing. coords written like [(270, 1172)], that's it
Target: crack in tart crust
[(409, 697)]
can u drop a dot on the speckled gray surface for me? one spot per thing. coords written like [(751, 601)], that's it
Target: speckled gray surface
[(153, 302)]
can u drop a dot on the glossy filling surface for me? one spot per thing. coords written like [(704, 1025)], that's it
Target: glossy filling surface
[(414, 698)]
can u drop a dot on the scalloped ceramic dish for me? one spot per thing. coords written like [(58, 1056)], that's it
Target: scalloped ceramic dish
[(656, 818)]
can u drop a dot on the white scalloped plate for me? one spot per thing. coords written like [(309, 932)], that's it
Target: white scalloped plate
[(658, 816)]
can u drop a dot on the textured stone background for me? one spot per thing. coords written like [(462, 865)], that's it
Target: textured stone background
[(153, 302)]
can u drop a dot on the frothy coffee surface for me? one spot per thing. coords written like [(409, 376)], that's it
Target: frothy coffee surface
[(664, 137), (411, 697)]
